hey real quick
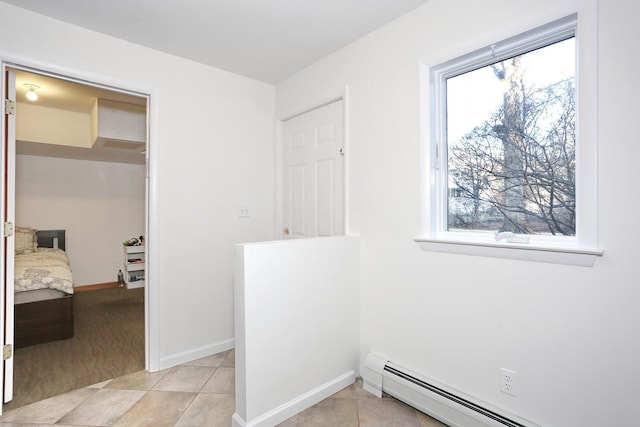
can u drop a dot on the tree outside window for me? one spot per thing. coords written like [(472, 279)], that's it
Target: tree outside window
[(511, 144)]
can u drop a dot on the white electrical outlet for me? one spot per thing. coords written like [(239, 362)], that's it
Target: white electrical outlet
[(508, 382), (243, 211)]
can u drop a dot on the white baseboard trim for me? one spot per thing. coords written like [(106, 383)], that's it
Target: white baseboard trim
[(196, 353), (237, 421), (297, 405)]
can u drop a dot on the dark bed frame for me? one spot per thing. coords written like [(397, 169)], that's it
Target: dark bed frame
[(49, 320)]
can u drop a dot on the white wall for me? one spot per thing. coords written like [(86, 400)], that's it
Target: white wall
[(297, 325), (569, 332), (211, 135), (99, 204)]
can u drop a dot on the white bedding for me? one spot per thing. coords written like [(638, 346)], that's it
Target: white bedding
[(46, 268)]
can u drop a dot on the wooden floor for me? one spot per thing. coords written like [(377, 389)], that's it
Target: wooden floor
[(108, 342), (95, 287)]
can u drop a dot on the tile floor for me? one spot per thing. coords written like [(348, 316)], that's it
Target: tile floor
[(200, 393)]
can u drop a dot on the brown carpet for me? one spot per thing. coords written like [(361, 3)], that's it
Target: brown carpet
[(108, 342)]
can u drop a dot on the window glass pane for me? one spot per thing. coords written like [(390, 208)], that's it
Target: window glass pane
[(511, 144)]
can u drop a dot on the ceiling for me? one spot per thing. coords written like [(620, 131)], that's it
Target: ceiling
[(268, 40), (68, 95)]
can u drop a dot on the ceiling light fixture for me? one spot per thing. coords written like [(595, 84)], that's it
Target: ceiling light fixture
[(32, 95)]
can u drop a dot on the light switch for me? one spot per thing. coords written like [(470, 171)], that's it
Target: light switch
[(243, 211)]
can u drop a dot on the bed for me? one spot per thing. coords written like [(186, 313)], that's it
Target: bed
[(43, 287)]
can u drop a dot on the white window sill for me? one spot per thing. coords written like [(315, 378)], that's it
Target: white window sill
[(525, 252)]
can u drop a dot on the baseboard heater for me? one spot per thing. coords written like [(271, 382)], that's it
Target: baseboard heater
[(441, 402)]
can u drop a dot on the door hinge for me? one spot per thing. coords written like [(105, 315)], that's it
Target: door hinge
[(10, 107), (8, 229), (7, 351)]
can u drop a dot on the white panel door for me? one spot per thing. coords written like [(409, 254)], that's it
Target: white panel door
[(8, 215), (313, 175)]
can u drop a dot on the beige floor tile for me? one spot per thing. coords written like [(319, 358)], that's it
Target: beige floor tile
[(104, 408), (185, 378), (345, 393), (291, 422), (174, 400), (213, 360), (31, 425), (100, 385), (427, 421), (230, 360), (157, 409), (330, 413), (222, 381), (36, 425), (50, 410), (141, 380), (386, 412), (211, 410)]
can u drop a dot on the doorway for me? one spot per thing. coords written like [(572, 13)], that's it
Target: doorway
[(116, 156)]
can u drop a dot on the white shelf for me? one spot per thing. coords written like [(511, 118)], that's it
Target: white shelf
[(135, 266), (135, 284), (134, 272), (134, 249)]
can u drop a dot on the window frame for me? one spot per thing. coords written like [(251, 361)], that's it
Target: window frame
[(581, 249)]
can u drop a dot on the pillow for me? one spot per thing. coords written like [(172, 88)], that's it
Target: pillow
[(26, 240)]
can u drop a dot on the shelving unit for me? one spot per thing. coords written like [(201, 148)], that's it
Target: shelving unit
[(134, 266)]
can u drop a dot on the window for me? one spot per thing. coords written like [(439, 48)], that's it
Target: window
[(503, 160)]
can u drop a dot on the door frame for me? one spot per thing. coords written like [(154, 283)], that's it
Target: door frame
[(7, 204), (152, 349), (278, 163)]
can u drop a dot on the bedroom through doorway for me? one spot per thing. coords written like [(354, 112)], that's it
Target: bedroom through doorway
[(81, 167)]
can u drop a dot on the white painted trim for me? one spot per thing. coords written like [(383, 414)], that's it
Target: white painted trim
[(2, 207), (196, 353), (10, 209), (278, 179), (427, 156), (330, 98), (237, 421), (151, 289), (152, 333), (314, 104), (568, 256), (346, 172), (587, 160), (7, 203), (298, 404)]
